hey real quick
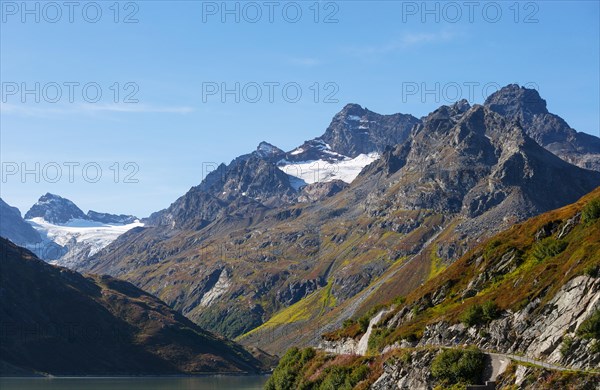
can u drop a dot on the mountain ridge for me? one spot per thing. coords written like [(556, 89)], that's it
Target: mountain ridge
[(63, 315)]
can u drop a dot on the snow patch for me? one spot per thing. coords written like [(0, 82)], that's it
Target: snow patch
[(317, 171)]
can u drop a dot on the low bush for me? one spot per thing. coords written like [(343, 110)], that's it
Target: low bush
[(285, 374), (480, 314), (590, 327), (342, 378), (593, 270), (548, 247), (566, 346), (472, 316), (454, 366), (377, 338), (591, 211), (490, 311)]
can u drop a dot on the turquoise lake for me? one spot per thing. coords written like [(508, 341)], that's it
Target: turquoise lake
[(197, 383)]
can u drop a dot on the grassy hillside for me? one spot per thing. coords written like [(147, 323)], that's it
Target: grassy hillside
[(507, 272), (59, 322)]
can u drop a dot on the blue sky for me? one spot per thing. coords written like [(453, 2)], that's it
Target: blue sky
[(174, 55)]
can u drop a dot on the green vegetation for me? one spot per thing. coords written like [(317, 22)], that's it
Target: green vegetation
[(590, 328), (363, 323), (593, 270), (364, 320), (377, 338), (342, 378), (480, 314), (591, 211), (458, 366), (472, 316), (566, 346), (286, 373), (548, 247), (437, 264), (308, 370), (490, 249)]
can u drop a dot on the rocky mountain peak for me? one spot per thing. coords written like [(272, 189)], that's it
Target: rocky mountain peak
[(548, 130), (443, 119), (269, 151), (356, 130), (55, 209), (514, 98), (352, 109)]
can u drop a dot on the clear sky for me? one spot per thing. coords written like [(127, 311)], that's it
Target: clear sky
[(161, 79)]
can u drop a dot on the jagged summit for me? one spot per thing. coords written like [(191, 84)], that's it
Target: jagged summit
[(525, 106), (512, 99), (461, 105), (269, 151), (55, 209), (356, 130)]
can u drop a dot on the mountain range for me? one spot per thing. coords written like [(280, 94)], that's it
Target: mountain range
[(56, 230), (249, 254)]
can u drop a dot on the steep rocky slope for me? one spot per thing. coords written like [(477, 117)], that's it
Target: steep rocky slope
[(14, 227), (529, 294), (59, 322)]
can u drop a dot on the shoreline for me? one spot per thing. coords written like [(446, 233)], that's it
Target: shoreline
[(205, 375)]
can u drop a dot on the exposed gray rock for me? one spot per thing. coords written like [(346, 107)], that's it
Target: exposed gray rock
[(536, 332), (412, 374), (111, 218), (55, 209), (356, 130), (13, 227), (321, 190), (547, 129)]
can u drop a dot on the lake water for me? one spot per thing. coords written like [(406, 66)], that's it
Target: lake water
[(198, 383)]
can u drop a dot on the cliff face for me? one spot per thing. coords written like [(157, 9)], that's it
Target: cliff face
[(538, 331), (412, 371), (536, 334)]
